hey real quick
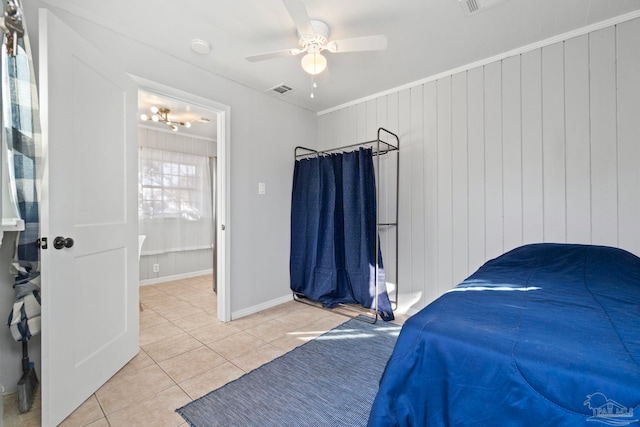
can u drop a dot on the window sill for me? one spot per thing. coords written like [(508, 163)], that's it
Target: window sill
[(10, 224)]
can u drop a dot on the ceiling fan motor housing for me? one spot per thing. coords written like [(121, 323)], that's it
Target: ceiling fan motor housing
[(319, 38)]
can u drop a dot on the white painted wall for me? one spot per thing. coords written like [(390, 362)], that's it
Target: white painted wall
[(264, 132), (542, 146)]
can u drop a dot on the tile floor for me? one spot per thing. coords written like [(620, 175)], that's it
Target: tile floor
[(185, 352)]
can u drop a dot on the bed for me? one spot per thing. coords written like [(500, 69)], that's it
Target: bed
[(544, 335)]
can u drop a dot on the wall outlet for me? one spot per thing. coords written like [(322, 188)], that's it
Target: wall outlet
[(156, 268)]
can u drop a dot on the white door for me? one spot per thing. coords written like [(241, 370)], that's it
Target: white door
[(89, 290)]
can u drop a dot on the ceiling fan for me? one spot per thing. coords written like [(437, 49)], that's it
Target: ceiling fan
[(314, 39)]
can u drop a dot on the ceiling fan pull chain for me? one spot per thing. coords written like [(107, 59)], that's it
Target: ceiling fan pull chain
[(313, 85)]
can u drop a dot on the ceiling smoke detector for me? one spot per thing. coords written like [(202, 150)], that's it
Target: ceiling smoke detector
[(201, 47), (473, 7)]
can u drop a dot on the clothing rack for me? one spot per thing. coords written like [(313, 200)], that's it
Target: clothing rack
[(380, 148)]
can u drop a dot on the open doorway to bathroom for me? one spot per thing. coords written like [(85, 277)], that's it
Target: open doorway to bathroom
[(181, 196)]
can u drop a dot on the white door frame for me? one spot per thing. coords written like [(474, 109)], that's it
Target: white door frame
[(223, 205)]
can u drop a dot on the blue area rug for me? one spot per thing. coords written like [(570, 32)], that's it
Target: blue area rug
[(329, 381)]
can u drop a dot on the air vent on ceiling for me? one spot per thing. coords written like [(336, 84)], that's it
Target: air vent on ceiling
[(203, 120), (280, 89), (473, 7)]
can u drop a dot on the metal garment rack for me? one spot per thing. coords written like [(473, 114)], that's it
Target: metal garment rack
[(380, 148)]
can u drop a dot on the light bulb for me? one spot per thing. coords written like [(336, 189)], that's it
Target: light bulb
[(312, 96), (144, 117), (187, 124), (155, 118), (154, 109), (315, 85), (174, 128), (313, 63)]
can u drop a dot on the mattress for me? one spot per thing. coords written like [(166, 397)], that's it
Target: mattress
[(544, 335)]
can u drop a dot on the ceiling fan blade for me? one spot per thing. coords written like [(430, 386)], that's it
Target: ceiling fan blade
[(358, 44), (272, 55), (299, 15)]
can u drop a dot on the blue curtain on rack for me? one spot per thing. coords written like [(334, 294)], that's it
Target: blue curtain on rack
[(334, 231)]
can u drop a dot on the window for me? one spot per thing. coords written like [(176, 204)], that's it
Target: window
[(175, 201), (170, 190)]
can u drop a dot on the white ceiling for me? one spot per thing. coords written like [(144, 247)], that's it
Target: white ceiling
[(425, 37)]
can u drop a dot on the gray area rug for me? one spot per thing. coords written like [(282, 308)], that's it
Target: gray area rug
[(329, 381)]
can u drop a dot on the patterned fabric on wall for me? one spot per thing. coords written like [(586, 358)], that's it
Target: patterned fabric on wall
[(21, 127)]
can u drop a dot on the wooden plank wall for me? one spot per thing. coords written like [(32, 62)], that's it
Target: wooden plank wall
[(539, 147)]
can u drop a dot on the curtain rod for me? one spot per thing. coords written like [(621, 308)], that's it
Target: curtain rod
[(389, 147)]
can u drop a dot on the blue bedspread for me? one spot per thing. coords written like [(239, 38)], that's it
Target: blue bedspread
[(544, 335)]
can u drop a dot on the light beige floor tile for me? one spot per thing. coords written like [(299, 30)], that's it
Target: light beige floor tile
[(210, 380), (165, 306), (149, 318), (251, 320), (100, 423), (158, 299), (172, 286), (171, 347), (258, 357), (213, 310), (12, 416), (148, 290), (206, 304), (10, 403), (29, 419), (213, 332), (190, 294), (158, 333), (125, 389), (196, 321), (181, 312), (139, 362), (86, 413), (301, 317), (271, 330), (202, 285), (191, 363), (235, 345), (284, 309), (157, 411)]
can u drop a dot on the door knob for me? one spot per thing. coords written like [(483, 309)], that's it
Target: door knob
[(60, 242)]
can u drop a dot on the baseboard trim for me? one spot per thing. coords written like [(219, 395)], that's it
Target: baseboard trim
[(163, 279), (260, 307)]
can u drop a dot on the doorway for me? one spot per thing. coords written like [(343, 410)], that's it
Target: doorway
[(197, 126)]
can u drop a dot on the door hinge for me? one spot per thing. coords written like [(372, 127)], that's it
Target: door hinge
[(42, 243)]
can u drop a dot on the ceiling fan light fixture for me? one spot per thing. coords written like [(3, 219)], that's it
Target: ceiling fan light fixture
[(313, 63)]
